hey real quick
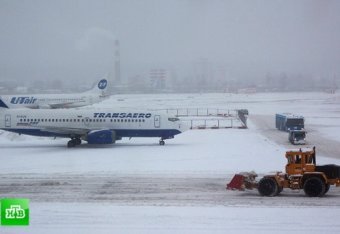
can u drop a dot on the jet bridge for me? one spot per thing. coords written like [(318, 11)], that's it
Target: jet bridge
[(211, 118)]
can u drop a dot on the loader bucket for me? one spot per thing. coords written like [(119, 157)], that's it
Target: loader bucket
[(242, 181), (237, 183)]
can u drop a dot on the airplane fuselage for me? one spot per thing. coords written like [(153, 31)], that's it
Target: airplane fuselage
[(44, 101), (78, 123), (56, 101)]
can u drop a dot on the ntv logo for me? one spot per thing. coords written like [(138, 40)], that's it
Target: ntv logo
[(102, 84), (14, 212)]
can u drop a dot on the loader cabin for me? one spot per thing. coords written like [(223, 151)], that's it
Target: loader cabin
[(299, 162)]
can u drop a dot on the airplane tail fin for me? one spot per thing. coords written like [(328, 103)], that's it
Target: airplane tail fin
[(100, 87), (2, 104)]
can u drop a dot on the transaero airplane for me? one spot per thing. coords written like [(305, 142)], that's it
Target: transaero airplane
[(96, 126), (55, 101)]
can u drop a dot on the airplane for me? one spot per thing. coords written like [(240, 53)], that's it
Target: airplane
[(56, 101), (96, 126)]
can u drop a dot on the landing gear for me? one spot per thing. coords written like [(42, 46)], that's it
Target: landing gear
[(78, 141), (73, 142), (162, 142)]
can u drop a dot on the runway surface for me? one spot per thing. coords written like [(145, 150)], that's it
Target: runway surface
[(324, 146), (155, 190)]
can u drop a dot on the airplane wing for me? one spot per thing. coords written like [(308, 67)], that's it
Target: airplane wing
[(59, 105)]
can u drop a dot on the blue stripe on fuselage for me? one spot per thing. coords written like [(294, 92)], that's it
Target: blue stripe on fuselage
[(164, 133)]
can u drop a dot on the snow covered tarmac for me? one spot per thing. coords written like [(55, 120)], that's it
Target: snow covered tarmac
[(137, 186)]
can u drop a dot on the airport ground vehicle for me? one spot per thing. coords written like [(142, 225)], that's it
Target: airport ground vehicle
[(297, 137), (288, 121), (301, 173)]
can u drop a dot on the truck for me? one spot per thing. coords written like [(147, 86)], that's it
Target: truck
[(288, 121), (297, 137), (301, 172)]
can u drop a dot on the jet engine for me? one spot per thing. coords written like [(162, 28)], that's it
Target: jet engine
[(101, 137)]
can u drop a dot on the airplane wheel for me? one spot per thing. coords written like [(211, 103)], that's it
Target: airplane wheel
[(161, 142), (71, 144), (77, 141)]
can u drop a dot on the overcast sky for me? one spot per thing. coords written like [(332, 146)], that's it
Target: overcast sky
[(75, 39)]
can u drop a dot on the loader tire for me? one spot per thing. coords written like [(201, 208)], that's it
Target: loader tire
[(314, 187), (327, 188), (268, 187)]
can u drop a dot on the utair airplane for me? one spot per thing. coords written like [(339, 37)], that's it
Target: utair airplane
[(96, 126), (55, 101)]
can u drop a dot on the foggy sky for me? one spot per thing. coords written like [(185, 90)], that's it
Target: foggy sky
[(67, 39)]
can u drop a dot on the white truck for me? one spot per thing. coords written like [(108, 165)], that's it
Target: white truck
[(297, 137)]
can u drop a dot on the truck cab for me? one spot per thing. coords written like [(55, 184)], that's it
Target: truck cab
[(299, 162), (297, 137)]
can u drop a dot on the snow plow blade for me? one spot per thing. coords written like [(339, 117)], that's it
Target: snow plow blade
[(236, 183), (242, 181)]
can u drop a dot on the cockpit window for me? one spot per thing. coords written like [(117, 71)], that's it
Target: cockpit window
[(173, 119)]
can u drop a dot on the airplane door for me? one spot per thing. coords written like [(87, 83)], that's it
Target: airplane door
[(157, 121), (7, 121), (86, 121)]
